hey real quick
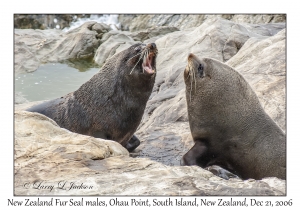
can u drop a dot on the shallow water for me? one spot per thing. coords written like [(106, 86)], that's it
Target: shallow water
[(52, 80)]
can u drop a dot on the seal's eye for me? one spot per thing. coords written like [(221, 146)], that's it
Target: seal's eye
[(200, 70), (138, 49)]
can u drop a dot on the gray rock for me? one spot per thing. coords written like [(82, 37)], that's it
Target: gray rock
[(262, 61), (263, 18), (112, 43), (31, 46), (78, 43), (20, 99), (116, 41), (153, 32)]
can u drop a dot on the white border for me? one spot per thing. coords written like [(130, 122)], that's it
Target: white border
[(141, 7)]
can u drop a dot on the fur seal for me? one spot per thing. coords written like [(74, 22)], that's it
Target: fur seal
[(111, 104), (228, 124)]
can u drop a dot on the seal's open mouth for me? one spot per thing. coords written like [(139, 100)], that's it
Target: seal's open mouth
[(147, 61), (147, 58)]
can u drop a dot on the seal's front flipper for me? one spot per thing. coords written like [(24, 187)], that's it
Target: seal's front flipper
[(47, 108), (132, 144), (221, 172), (195, 156)]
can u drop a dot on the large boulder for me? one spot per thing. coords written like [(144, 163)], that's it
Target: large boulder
[(29, 47), (112, 43)]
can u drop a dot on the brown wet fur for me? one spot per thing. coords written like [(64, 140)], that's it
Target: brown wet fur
[(228, 124), (111, 104)]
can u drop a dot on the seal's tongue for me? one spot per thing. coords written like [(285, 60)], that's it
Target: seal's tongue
[(147, 65)]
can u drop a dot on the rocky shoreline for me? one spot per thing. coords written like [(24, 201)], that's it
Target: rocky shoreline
[(255, 45)]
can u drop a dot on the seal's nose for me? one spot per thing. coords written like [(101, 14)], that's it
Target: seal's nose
[(152, 46), (191, 55)]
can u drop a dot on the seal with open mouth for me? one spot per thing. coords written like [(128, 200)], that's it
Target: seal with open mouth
[(228, 124), (111, 104)]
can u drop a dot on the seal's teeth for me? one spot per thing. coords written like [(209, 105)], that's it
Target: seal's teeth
[(147, 63)]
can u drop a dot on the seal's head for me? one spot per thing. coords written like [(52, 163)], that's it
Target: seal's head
[(217, 96), (141, 60)]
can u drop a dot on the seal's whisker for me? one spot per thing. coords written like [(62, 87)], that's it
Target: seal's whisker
[(133, 57), (147, 54), (195, 80), (191, 73), (141, 55), (144, 60)]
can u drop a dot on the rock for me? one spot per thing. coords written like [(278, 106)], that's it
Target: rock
[(143, 177), (20, 99), (100, 28), (33, 47), (140, 22), (40, 141), (279, 18), (78, 43), (262, 62), (153, 32), (112, 43), (165, 143), (115, 41), (49, 154), (125, 21), (38, 136), (29, 47)]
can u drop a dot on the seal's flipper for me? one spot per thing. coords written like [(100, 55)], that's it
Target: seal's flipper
[(132, 144), (46, 108), (195, 156), (221, 172)]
